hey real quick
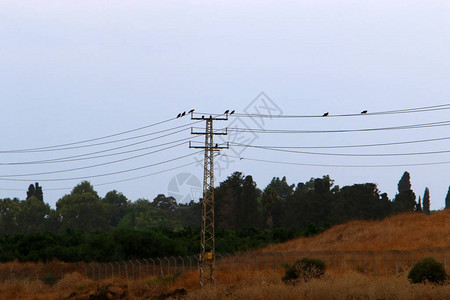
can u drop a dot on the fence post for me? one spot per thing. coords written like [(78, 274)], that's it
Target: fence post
[(119, 267), (182, 261), (354, 259), (93, 272), (190, 263), (112, 269), (139, 264), (126, 270), (443, 257), (160, 266), (395, 261), (168, 265), (154, 267)]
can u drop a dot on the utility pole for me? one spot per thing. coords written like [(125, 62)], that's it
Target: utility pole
[(207, 257)]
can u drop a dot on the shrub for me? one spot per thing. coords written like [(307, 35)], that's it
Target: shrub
[(50, 279), (427, 270), (304, 269)]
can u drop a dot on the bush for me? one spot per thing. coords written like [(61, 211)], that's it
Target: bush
[(304, 269), (428, 270), (50, 279)]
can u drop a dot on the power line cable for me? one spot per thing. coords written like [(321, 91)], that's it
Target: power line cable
[(346, 154), (388, 112), (103, 175), (339, 166), (348, 146), (63, 146), (96, 165), (81, 156), (113, 182), (293, 131)]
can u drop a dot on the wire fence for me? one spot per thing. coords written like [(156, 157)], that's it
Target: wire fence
[(369, 262)]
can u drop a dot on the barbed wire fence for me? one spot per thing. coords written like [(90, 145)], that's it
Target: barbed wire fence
[(378, 262), (370, 262)]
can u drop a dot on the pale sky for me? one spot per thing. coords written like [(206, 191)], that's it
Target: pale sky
[(78, 70)]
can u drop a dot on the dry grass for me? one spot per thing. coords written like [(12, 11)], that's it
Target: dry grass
[(406, 231), (402, 232)]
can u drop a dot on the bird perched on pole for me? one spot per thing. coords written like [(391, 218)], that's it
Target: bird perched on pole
[(232, 112), (226, 112), (325, 114), (364, 112), (191, 111)]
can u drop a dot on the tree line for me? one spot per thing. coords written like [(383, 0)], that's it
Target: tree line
[(85, 226), (239, 203)]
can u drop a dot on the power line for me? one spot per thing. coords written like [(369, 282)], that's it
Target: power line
[(346, 154), (113, 182), (377, 113), (347, 146), (339, 166), (96, 165), (106, 174), (63, 146), (293, 131), (81, 156)]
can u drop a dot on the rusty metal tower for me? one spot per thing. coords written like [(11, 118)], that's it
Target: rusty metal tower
[(207, 257)]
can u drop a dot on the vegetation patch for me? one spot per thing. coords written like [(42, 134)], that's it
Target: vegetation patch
[(428, 270), (304, 269)]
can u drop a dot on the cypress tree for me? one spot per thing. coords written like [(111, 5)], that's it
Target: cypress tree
[(426, 201), (405, 200), (419, 205)]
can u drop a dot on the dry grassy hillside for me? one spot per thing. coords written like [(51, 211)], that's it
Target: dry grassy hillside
[(401, 232)]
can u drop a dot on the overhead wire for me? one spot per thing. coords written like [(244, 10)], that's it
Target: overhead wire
[(294, 131), (63, 146), (105, 174), (337, 166), (346, 154), (82, 156), (376, 113), (95, 165), (350, 146)]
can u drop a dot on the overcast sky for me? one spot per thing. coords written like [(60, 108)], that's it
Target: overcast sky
[(78, 70)]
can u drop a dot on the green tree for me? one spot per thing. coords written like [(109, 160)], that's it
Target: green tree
[(116, 206), (9, 211), (33, 215), (84, 187), (419, 205), (426, 201), (36, 191), (405, 200), (82, 210)]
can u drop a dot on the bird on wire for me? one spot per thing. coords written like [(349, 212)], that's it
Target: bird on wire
[(179, 115), (226, 112), (232, 112), (325, 114), (191, 111), (364, 112)]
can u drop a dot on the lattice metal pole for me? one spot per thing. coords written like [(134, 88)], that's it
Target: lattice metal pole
[(207, 244)]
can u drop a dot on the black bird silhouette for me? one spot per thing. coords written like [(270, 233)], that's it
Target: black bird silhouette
[(226, 111), (232, 112), (179, 115), (364, 112), (210, 116), (183, 114), (217, 145), (325, 114), (203, 117), (191, 111)]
